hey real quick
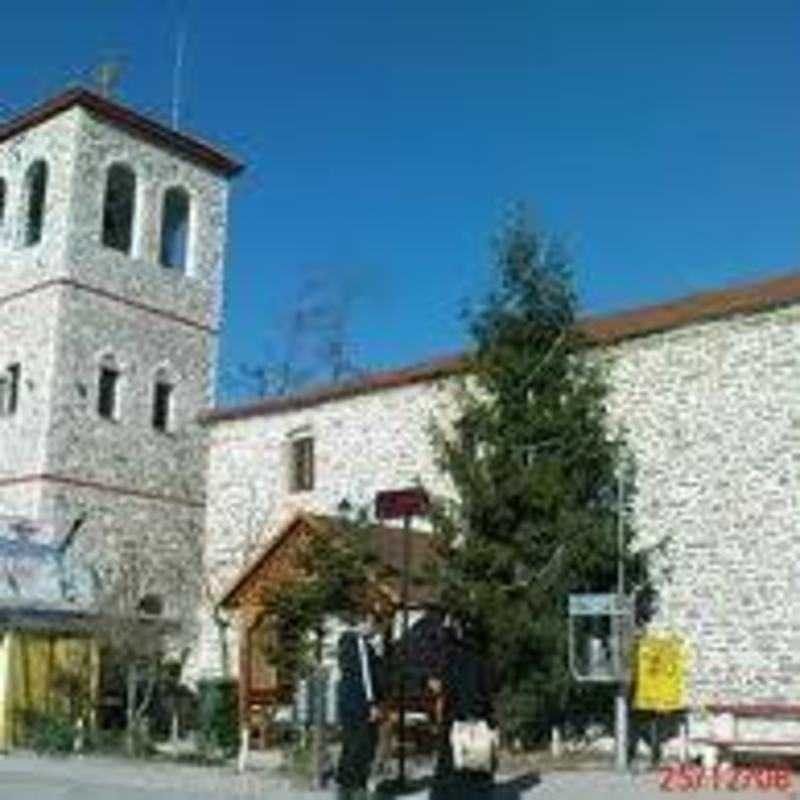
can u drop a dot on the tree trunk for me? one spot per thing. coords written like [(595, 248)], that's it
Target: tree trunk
[(318, 707), (222, 628), (130, 710), (135, 715), (174, 731), (244, 748)]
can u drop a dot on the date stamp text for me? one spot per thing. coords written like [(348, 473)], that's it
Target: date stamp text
[(685, 778)]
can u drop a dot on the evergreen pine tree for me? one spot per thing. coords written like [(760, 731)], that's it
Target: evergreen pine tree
[(533, 464)]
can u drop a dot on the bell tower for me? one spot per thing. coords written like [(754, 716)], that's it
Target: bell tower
[(112, 237)]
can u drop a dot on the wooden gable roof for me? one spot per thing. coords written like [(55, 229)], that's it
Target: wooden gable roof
[(276, 562)]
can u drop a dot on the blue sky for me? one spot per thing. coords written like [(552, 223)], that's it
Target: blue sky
[(384, 139)]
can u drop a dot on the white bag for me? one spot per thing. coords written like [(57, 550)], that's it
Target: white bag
[(474, 746)]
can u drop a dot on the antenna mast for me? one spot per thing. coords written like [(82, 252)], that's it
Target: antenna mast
[(176, 78)]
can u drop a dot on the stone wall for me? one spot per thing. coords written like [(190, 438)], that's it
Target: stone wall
[(195, 295), (712, 418), (68, 301), (53, 141), (712, 414), (28, 321), (361, 445), (28, 338)]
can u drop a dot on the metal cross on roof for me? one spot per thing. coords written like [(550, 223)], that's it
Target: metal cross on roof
[(107, 75)]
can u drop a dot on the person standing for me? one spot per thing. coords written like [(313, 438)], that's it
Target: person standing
[(358, 697), (462, 693)]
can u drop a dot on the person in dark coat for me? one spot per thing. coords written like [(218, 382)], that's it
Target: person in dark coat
[(358, 698), (463, 693)]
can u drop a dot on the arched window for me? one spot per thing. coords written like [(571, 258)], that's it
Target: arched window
[(175, 228), (152, 605), (119, 206), (9, 389), (36, 195), (301, 460), (163, 389), (107, 388)]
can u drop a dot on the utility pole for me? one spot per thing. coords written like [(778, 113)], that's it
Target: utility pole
[(319, 711), (402, 504), (617, 608), (621, 699)]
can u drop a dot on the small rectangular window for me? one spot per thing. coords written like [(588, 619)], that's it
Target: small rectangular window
[(36, 187), (9, 390), (175, 217), (107, 393), (302, 464), (162, 406), (119, 208)]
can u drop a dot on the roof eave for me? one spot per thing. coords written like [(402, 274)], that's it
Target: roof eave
[(601, 331), (129, 120)]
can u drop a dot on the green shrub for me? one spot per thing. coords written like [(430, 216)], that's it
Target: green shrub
[(48, 732), (197, 759), (219, 717), (109, 741), (301, 756)]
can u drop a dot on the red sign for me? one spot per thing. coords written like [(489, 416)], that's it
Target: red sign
[(401, 503)]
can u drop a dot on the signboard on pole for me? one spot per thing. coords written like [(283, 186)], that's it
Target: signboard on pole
[(660, 674), (593, 605), (400, 503)]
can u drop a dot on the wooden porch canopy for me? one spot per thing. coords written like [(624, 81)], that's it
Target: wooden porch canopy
[(277, 563)]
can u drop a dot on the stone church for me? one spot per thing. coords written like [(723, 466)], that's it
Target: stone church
[(112, 235)]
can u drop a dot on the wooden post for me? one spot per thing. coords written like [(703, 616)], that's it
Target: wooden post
[(402, 504), (244, 695), (5, 668), (556, 742), (404, 658), (318, 710), (684, 743), (244, 748), (77, 742)]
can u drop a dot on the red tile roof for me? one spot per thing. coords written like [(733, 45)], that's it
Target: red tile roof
[(131, 122), (419, 373), (604, 330)]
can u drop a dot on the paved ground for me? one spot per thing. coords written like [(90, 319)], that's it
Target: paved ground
[(26, 777)]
